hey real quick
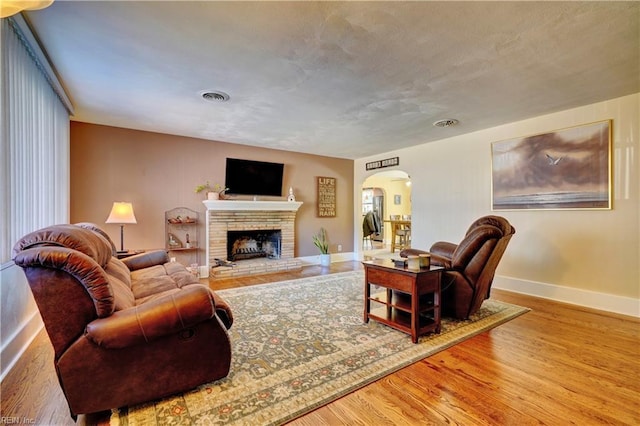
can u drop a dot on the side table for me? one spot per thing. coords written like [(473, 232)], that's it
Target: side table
[(410, 300)]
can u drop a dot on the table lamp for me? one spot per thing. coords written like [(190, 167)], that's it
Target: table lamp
[(11, 7), (121, 214)]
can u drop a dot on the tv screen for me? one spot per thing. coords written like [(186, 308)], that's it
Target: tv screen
[(248, 177)]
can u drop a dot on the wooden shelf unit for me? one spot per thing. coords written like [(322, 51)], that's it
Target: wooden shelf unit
[(409, 300), (182, 234)]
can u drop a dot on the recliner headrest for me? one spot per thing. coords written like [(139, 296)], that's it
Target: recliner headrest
[(496, 221), (95, 228), (71, 236)]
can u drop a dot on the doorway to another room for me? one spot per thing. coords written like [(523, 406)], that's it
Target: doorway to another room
[(385, 196)]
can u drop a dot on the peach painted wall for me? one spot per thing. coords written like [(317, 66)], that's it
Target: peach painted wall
[(157, 172)]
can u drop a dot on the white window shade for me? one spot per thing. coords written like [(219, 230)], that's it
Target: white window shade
[(34, 153)]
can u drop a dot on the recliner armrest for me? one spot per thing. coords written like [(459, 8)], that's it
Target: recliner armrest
[(412, 252), (439, 258), (442, 253), (157, 318), (77, 264), (443, 249), (146, 259)]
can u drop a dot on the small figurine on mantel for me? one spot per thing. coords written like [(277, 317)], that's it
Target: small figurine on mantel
[(187, 243), (291, 197)]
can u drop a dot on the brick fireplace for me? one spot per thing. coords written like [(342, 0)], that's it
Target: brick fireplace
[(238, 217)]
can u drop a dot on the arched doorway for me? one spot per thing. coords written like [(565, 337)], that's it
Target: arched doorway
[(385, 193)]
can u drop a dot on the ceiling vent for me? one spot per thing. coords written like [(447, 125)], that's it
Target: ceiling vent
[(215, 96), (447, 122)]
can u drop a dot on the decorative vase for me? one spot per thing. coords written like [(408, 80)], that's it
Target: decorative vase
[(325, 259), (213, 195)]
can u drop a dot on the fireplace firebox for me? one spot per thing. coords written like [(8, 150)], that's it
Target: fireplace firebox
[(249, 244)]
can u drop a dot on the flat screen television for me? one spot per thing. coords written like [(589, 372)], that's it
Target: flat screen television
[(249, 177)]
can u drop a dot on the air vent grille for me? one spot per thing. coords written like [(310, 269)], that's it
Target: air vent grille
[(215, 96), (447, 122)]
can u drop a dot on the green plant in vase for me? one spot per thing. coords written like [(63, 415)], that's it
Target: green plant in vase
[(213, 191), (320, 240)]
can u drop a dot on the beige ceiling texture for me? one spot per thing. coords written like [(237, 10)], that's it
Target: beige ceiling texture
[(342, 79)]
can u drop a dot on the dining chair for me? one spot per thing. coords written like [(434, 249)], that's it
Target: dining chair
[(400, 232)]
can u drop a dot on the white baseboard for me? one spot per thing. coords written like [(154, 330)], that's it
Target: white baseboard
[(575, 296), (17, 344), (591, 299), (335, 257), (204, 271)]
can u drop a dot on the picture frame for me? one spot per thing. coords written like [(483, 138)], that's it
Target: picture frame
[(367, 200), (326, 196), (397, 199), (563, 169)]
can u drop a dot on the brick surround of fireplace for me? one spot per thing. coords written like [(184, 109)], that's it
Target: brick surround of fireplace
[(232, 215)]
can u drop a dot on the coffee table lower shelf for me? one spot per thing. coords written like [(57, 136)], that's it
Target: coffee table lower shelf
[(401, 320)]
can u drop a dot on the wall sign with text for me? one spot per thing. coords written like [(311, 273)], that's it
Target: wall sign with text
[(380, 164), (326, 196)]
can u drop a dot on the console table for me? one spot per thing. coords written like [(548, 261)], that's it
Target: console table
[(409, 300)]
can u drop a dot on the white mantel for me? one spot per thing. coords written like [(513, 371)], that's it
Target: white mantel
[(250, 205)]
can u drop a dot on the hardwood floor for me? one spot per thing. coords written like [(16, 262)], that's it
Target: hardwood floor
[(558, 364)]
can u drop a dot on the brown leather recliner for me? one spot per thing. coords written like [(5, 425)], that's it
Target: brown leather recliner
[(123, 332), (470, 265)]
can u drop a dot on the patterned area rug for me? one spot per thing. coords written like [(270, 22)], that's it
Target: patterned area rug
[(298, 345)]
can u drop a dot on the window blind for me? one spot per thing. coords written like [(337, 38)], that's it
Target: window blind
[(34, 155)]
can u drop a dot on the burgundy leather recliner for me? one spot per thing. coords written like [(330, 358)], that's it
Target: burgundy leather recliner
[(123, 332), (471, 265)]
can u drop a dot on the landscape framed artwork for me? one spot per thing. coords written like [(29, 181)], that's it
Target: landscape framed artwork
[(563, 169)]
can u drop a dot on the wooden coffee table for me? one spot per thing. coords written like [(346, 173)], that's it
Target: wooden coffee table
[(409, 300)]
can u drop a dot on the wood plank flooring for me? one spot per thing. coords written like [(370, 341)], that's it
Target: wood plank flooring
[(556, 365)]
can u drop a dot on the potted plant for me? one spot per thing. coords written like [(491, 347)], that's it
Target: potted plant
[(320, 241), (213, 191)]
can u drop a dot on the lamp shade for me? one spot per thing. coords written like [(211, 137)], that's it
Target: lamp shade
[(11, 7), (121, 212)]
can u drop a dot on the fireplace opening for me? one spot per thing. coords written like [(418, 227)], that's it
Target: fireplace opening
[(251, 244)]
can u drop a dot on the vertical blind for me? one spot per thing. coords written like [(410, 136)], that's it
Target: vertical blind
[(34, 155)]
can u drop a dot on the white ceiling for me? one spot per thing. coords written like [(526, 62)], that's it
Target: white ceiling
[(342, 79)]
